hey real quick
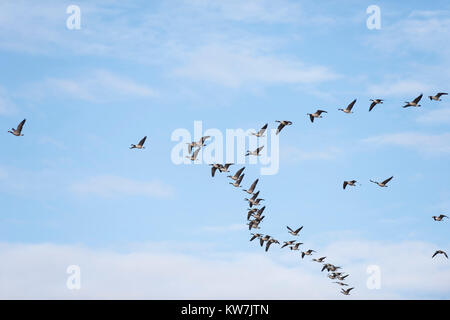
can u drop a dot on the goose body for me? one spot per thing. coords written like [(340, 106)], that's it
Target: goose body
[(18, 132), (382, 184), (316, 114), (307, 253), (193, 157), (440, 217), (254, 153), (140, 145), (437, 97), (237, 183), (282, 124), (349, 107), (374, 103), (414, 103), (237, 175)]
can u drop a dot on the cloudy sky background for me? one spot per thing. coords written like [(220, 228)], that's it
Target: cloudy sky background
[(139, 226)]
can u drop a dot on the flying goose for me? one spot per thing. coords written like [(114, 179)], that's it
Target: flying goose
[(260, 133), (294, 233), (288, 243), (346, 292), (414, 103), (225, 167), (200, 143), (214, 167), (254, 153), (251, 212), (140, 145), (442, 216), (237, 184), (349, 183), (262, 239), (320, 260), (194, 155), (341, 283), (316, 114), (342, 277), (332, 276), (255, 235), (269, 242), (437, 96), (237, 174), (330, 267), (374, 103), (252, 187), (254, 202), (440, 252), (295, 247), (307, 253), (258, 213), (384, 183), (18, 132), (282, 124), (349, 107), (253, 224)]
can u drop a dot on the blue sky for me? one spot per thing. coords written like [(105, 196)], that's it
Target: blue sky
[(148, 68)]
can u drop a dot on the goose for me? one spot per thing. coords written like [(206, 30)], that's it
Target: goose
[(237, 174), (349, 107), (255, 195), (349, 183), (374, 103), (269, 242), (346, 292), (341, 277), (330, 267), (200, 143), (307, 253), (258, 213), (384, 183), (341, 283), (255, 236), (260, 133), (414, 103), (214, 167), (288, 243), (255, 202), (251, 212), (437, 96), (262, 239), (294, 233), (295, 247), (140, 145), (320, 260), (316, 114), (253, 224), (282, 124), (18, 132), (252, 187), (442, 216), (254, 153), (194, 155), (440, 252), (237, 184), (332, 276), (225, 167)]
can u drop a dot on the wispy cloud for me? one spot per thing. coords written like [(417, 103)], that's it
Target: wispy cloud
[(426, 143), (396, 87), (114, 186)]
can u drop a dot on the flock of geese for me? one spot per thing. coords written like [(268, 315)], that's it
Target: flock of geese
[(255, 212)]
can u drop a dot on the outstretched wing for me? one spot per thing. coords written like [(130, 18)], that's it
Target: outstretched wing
[(298, 230), (203, 139), (319, 112), (350, 106), (141, 143), (345, 184), (441, 94), (416, 100), (194, 156), (259, 149), (263, 129), (373, 104), (280, 127), (387, 180), (252, 187), (213, 170), (289, 229), (311, 118), (238, 173), (20, 126)]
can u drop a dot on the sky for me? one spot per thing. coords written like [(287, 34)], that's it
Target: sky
[(140, 226)]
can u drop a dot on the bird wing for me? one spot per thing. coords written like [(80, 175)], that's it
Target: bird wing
[(260, 211), (441, 94), (240, 179), (194, 156), (387, 180), (350, 106), (141, 143), (319, 112), (289, 229), (373, 104), (311, 118), (416, 100), (238, 173), (345, 184), (202, 139), (263, 129), (213, 171), (20, 126), (298, 230), (435, 254), (280, 127), (259, 149), (252, 187)]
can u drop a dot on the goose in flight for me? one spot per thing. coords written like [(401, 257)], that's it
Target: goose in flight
[(320, 260), (437, 96), (18, 132), (316, 114), (255, 202), (254, 153), (341, 283), (294, 233), (374, 103), (194, 155), (349, 183), (253, 224), (214, 167), (346, 292), (237, 174), (140, 145), (330, 267), (200, 143), (282, 124), (442, 216), (384, 183), (307, 253), (288, 243), (255, 236), (349, 107), (252, 187), (225, 167), (262, 239), (440, 252), (269, 242), (295, 247), (341, 277), (237, 183), (260, 133), (251, 213), (414, 103)]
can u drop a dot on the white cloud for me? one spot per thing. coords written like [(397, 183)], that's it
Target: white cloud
[(113, 186), (399, 88), (96, 86), (38, 271), (426, 143)]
